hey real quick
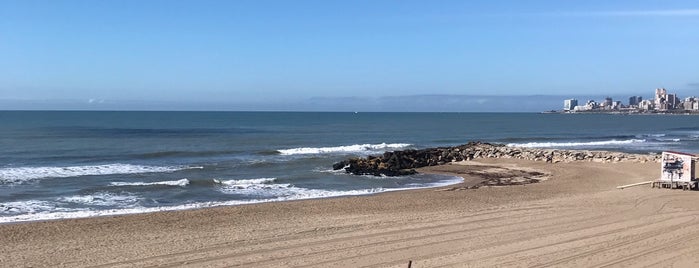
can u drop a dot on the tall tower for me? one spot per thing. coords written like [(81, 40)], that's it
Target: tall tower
[(569, 105), (635, 100), (660, 100)]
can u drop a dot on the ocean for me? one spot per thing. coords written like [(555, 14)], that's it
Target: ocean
[(73, 164)]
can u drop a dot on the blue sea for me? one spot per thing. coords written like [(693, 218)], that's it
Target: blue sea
[(82, 164)]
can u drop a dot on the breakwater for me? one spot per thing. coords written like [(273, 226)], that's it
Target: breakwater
[(399, 163)]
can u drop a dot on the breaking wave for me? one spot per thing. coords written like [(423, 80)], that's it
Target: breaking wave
[(264, 188), (343, 149), (182, 182), (23, 174), (102, 199), (246, 181), (576, 144)]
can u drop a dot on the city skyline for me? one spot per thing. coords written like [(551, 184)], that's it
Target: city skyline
[(662, 100), (270, 55)]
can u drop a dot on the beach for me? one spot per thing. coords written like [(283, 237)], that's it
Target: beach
[(574, 218)]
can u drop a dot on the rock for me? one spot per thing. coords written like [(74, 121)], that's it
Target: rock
[(340, 165), (400, 163)]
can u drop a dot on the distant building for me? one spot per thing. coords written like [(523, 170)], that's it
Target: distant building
[(569, 105), (660, 95), (616, 105), (660, 100), (581, 108), (591, 105), (646, 105), (607, 104), (634, 101), (673, 102), (690, 104)]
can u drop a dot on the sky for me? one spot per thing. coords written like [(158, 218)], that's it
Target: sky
[(340, 55)]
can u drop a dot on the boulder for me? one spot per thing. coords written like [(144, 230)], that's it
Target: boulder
[(400, 163)]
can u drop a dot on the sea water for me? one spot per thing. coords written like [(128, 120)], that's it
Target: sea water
[(81, 164)]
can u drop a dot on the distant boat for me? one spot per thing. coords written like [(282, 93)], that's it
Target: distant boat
[(551, 112)]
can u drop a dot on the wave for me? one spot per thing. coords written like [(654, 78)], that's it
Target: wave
[(343, 149), (559, 138), (245, 181), (29, 207), (62, 204), (575, 144), (37, 210), (182, 182), (23, 174), (102, 199), (254, 187), (330, 171), (651, 135), (669, 140)]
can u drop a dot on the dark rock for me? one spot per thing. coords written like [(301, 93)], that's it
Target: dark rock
[(340, 165), (400, 163)]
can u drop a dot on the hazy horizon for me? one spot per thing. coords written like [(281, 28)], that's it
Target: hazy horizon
[(414, 103)]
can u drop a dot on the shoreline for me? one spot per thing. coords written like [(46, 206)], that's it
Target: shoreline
[(488, 226), (56, 216), (474, 151)]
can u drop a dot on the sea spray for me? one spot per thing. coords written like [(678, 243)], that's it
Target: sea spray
[(357, 148)]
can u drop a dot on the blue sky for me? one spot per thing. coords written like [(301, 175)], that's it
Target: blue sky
[(257, 54)]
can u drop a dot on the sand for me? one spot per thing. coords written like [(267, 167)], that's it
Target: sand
[(574, 218)]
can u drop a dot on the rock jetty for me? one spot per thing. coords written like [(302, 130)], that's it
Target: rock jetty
[(399, 163)]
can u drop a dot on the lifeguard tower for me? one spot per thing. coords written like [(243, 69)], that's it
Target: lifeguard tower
[(677, 170)]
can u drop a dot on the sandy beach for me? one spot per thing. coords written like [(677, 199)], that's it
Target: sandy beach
[(575, 218)]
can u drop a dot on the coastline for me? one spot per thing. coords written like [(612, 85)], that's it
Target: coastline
[(576, 210)]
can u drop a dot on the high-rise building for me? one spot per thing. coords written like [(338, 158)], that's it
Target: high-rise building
[(608, 103), (569, 105), (689, 103), (635, 100), (673, 102), (660, 100)]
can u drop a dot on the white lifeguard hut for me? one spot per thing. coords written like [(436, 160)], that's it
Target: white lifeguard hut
[(677, 170)]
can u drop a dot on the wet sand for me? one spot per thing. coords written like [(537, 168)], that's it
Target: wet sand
[(574, 218)]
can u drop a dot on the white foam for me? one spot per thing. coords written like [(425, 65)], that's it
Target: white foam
[(40, 209), (575, 144), (29, 206), (23, 174), (284, 192), (182, 182), (652, 135), (256, 187), (343, 149), (331, 171), (246, 181), (102, 199), (271, 192)]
